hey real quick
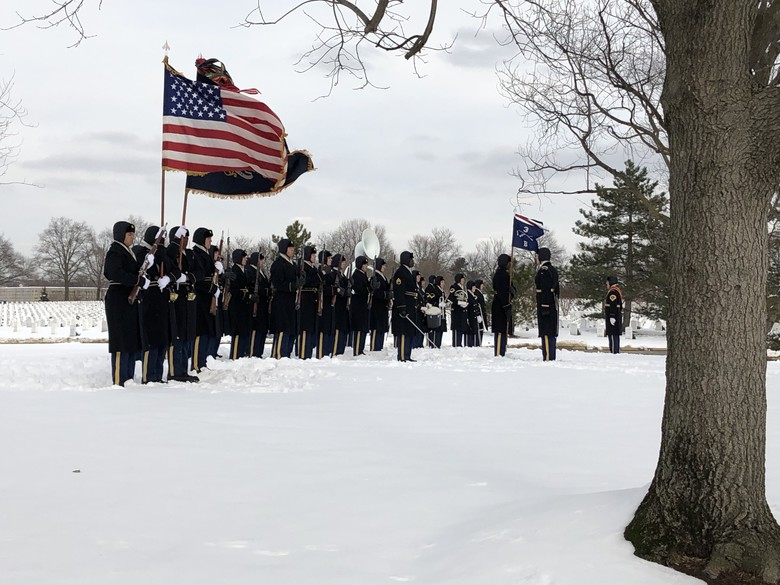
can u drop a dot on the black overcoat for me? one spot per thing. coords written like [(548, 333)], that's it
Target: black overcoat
[(310, 294), (547, 293), (459, 314), (155, 306), (358, 305), (121, 270), (404, 299), (501, 308), (182, 294), (325, 322), (261, 286), (240, 305), (203, 268), (613, 310), (380, 299), (341, 308), (284, 277)]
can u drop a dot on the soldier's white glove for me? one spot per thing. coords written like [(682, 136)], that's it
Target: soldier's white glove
[(479, 318), (149, 261), (145, 282), (217, 293), (181, 232), (182, 278), (218, 265), (612, 320), (164, 281)]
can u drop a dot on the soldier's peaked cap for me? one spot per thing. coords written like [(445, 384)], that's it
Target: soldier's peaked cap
[(150, 235), (201, 234), (121, 228)]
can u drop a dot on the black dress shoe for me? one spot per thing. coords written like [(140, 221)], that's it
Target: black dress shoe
[(192, 379)]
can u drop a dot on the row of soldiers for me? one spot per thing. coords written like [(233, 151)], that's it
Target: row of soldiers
[(175, 302)]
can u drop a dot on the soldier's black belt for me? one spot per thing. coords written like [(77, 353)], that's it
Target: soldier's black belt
[(310, 290)]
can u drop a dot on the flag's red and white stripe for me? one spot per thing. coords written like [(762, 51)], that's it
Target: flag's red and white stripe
[(251, 138)]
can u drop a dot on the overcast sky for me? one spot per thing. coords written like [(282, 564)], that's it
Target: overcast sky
[(432, 152)]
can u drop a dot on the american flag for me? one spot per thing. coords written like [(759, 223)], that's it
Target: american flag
[(210, 129)]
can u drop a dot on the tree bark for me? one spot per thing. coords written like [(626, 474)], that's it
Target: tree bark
[(707, 499)]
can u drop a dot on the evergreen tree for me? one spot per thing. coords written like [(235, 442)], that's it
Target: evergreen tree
[(627, 237), (297, 234)]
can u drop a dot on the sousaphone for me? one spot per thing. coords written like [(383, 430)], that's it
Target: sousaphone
[(368, 246)]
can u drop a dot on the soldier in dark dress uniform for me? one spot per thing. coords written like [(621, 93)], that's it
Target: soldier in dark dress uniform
[(472, 315), (260, 297), (459, 300), (341, 328), (431, 300), (358, 306), (440, 300), (404, 304), (418, 315), (309, 300), (501, 308), (482, 310), (285, 283), (326, 308), (122, 271), (547, 293), (154, 306), (207, 295), (380, 298), (182, 297), (613, 314), (222, 318), (240, 306)]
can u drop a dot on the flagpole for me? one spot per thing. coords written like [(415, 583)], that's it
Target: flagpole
[(184, 207), (162, 198), (511, 274), (166, 47)]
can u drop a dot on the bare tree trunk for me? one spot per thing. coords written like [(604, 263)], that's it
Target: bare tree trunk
[(707, 499)]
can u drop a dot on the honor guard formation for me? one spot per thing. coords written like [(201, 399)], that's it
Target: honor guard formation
[(173, 304)]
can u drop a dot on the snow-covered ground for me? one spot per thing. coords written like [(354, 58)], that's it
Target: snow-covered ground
[(460, 469)]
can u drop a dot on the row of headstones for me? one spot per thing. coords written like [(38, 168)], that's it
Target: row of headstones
[(630, 332), (11, 312), (55, 326)]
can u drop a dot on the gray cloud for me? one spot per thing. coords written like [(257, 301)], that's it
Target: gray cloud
[(116, 163), (486, 49)]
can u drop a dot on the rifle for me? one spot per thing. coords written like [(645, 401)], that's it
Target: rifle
[(142, 272), (215, 278), (226, 293), (257, 289), (299, 288), (320, 300)]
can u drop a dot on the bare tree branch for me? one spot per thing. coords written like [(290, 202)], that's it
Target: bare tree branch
[(64, 12), (343, 30)]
